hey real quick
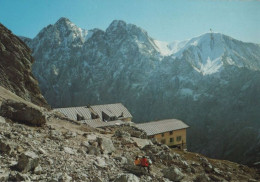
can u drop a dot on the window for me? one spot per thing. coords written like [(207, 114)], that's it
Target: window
[(178, 138), (171, 132), (162, 134), (171, 140)]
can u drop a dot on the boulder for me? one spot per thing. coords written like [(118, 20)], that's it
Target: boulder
[(121, 159), (207, 167), (100, 162), (38, 170), (91, 136), (4, 176), (137, 170), (173, 173), (69, 150), (65, 178), (93, 150), (106, 145), (2, 120), (70, 134), (214, 178), (202, 178), (27, 161), (5, 147), (121, 134), (142, 142), (97, 179), (55, 135), (16, 176), (152, 148), (165, 155), (127, 178), (22, 113)]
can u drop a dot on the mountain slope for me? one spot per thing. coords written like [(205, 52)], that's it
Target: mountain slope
[(211, 81), (15, 68)]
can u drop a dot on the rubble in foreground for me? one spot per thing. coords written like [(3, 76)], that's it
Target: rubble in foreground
[(66, 151)]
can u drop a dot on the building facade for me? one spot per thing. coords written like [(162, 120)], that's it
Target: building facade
[(171, 132)]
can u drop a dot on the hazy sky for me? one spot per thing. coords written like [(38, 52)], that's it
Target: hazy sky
[(165, 20)]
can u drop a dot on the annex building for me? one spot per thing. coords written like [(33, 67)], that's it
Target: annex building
[(171, 132)]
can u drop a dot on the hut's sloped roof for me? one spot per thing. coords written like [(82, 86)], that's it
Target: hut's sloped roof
[(71, 112), (112, 110), (162, 126), (96, 123)]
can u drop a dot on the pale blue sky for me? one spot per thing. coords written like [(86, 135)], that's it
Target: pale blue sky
[(165, 20)]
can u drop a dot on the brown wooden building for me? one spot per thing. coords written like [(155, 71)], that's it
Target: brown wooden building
[(171, 132)]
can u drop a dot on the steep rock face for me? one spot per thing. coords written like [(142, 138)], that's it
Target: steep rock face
[(15, 68), (211, 81)]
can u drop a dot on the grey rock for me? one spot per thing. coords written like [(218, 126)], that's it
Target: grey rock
[(4, 176), (217, 171), (85, 143), (121, 159), (137, 170), (252, 180), (214, 178), (69, 150), (97, 179), (70, 134), (55, 135), (173, 173), (184, 164), (106, 145), (121, 133), (100, 162), (16, 176), (208, 167), (42, 151), (38, 170), (5, 147), (142, 142), (93, 150), (27, 161), (65, 178), (2, 120), (202, 178), (127, 178)]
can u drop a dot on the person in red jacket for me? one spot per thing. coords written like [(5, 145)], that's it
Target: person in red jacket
[(145, 163)]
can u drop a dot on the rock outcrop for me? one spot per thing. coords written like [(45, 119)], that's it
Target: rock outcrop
[(15, 68), (23, 113)]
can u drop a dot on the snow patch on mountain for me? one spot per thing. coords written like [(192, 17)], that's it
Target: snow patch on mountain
[(211, 66), (167, 49), (163, 48)]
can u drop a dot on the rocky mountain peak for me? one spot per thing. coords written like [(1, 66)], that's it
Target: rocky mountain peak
[(63, 20), (209, 52), (64, 25), (117, 23), (119, 26), (129, 35)]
